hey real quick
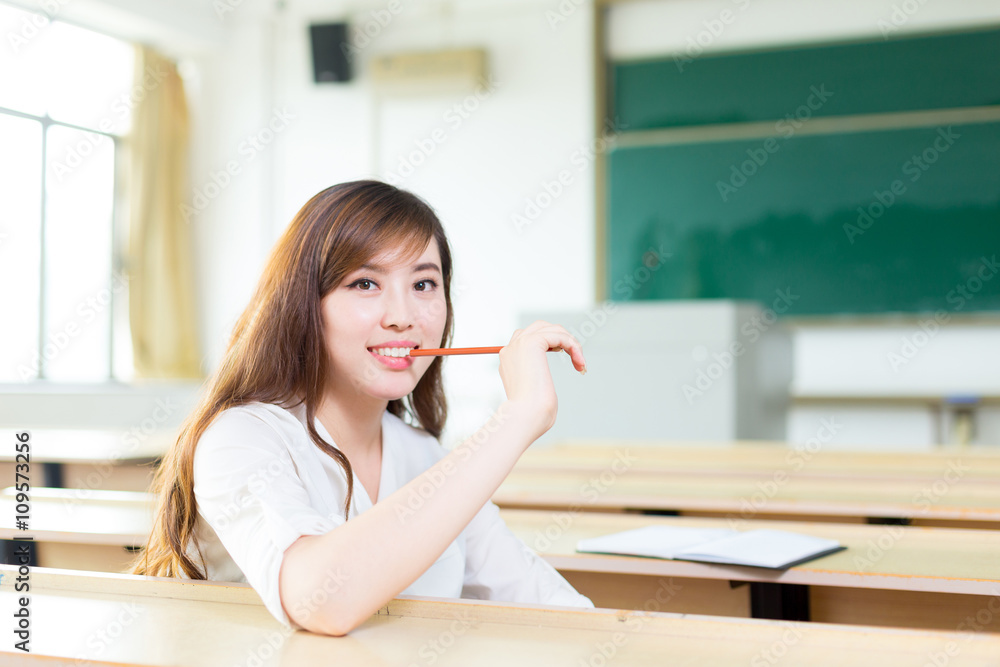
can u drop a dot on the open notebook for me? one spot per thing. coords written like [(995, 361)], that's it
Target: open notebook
[(776, 549)]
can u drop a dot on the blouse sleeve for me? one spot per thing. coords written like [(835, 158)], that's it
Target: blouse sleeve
[(247, 489), (499, 566)]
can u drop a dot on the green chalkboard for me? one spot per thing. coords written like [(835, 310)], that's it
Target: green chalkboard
[(901, 220), (918, 73)]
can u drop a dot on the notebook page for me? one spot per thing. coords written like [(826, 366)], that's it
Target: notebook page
[(652, 541), (761, 548)]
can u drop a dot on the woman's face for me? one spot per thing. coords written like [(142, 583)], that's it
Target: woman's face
[(389, 305)]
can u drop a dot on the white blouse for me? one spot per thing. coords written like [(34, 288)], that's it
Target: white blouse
[(261, 483)]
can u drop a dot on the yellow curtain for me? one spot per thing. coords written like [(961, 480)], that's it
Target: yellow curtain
[(160, 262)]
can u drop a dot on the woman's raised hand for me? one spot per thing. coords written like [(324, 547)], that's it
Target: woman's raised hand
[(524, 370)]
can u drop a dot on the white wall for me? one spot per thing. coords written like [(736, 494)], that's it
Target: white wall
[(653, 28)]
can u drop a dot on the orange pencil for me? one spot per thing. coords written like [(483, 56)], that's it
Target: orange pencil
[(441, 351)]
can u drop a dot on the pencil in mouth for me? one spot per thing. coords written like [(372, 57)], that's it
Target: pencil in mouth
[(444, 351)]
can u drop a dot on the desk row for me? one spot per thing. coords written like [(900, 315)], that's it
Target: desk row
[(889, 575), (948, 487)]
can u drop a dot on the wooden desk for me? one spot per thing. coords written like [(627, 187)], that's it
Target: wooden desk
[(757, 457), (890, 575), (124, 620), (901, 576), (82, 529), (89, 459), (949, 500)]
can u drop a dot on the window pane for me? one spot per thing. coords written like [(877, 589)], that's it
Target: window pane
[(23, 63), (90, 79), (20, 215), (75, 75), (78, 286)]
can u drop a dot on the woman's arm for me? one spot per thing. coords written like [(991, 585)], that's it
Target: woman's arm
[(332, 583)]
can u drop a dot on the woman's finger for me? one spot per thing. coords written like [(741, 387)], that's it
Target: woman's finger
[(562, 340), (557, 338)]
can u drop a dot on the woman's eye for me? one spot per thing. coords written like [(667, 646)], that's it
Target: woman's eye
[(425, 282), (363, 284)]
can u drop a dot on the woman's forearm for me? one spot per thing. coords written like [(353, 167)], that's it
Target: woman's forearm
[(368, 560)]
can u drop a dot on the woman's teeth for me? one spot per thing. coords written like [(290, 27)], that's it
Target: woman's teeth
[(393, 351)]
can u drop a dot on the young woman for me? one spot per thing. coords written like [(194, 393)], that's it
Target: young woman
[(297, 472)]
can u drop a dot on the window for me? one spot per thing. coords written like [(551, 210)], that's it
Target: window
[(65, 108)]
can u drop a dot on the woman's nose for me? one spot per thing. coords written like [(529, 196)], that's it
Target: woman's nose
[(398, 312)]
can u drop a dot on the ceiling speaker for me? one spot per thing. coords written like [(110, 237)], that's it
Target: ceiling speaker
[(330, 46)]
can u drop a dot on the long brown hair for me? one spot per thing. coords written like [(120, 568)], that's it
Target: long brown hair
[(277, 351)]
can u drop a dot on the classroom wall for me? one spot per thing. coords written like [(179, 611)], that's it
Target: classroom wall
[(248, 71)]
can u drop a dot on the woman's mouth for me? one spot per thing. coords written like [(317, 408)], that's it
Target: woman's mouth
[(397, 358)]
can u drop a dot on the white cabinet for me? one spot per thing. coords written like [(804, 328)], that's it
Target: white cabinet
[(692, 370)]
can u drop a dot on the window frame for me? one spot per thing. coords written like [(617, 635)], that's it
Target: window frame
[(119, 238)]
